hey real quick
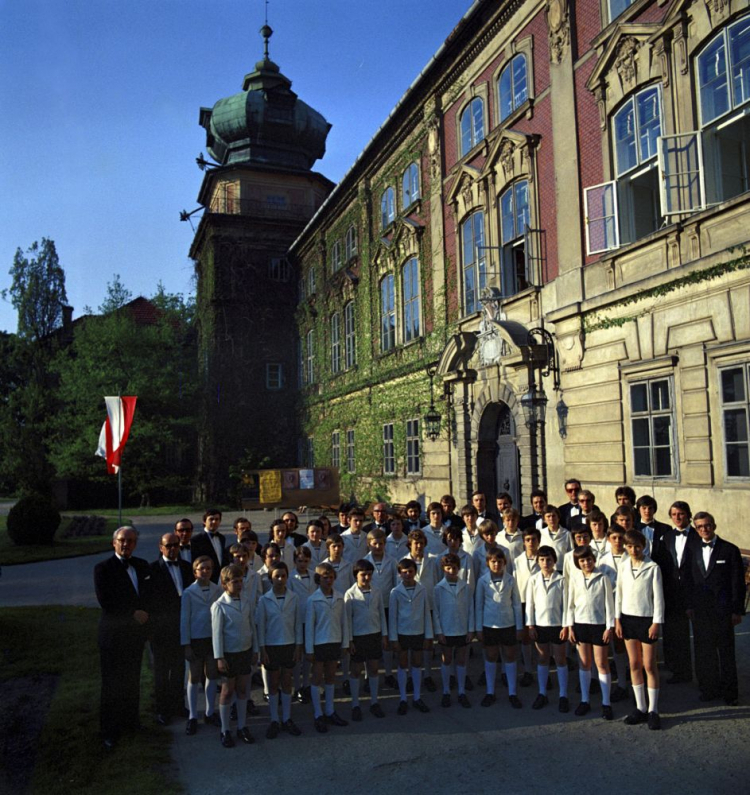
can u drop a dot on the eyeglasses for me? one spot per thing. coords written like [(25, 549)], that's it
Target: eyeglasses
[(170, 546), (572, 490), (703, 526)]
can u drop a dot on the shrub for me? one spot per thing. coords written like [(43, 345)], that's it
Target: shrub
[(34, 519)]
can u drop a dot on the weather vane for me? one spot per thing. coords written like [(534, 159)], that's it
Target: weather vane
[(266, 32)]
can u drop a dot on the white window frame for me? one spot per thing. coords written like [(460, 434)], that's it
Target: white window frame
[(388, 314), (350, 336), (336, 343), (311, 281), (515, 103), (478, 264), (475, 136), (274, 376), (680, 176), (387, 207), (737, 405), (410, 192), (389, 450), (351, 243), (611, 186), (413, 447), (650, 414), (350, 452), (336, 449), (336, 261), (411, 302)]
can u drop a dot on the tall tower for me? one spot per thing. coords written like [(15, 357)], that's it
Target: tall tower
[(257, 198)]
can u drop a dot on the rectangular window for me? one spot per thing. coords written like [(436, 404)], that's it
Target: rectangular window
[(389, 454), (387, 314), (310, 369), (474, 263), (735, 410), (311, 281), (279, 269), (274, 376), (336, 256), (652, 421), (413, 459), (411, 299), (350, 339), (350, 452), (681, 173), (336, 449), (335, 343)]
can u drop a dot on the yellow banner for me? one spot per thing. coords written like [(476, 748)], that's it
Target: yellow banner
[(270, 485)]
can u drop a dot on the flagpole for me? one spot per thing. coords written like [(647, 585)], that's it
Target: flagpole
[(119, 495)]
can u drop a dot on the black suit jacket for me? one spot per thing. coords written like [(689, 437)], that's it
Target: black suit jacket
[(718, 589), (675, 578), (166, 602), (202, 545), (530, 521), (660, 528), (119, 600)]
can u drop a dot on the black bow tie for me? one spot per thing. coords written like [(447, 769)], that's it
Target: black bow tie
[(709, 544), (184, 546), (172, 562), (681, 532)]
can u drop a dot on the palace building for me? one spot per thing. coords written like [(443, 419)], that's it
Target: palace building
[(535, 270)]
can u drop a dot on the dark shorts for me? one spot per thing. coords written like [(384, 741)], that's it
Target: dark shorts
[(455, 641), (327, 652), (590, 633), (505, 636), (280, 657), (636, 628), (203, 652), (368, 647), (239, 663), (411, 642), (549, 635)]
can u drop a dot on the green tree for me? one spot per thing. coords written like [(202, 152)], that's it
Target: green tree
[(114, 354), (37, 291), (117, 296)]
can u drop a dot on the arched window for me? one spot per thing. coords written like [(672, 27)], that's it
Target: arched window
[(473, 260), (513, 89), (637, 125), (335, 343), (472, 125), (410, 292), (350, 339), (410, 185), (351, 243), (387, 314), (387, 208), (514, 223), (336, 256)]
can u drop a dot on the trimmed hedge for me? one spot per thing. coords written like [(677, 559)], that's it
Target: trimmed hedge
[(34, 519)]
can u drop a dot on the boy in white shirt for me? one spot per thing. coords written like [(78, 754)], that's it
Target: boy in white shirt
[(453, 616), (510, 538), (326, 634), (472, 539), (396, 543), (315, 543), (498, 619), (610, 563), (488, 531), (410, 630), (279, 531), (433, 531), (343, 569), (525, 566), (355, 540), (235, 645), (278, 619), (365, 614), (302, 583), (555, 536)]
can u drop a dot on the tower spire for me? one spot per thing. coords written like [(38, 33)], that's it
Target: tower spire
[(266, 32)]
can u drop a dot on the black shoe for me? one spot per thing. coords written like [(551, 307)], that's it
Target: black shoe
[(607, 713), (192, 727), (356, 714), (464, 701), (244, 735), (540, 701), (336, 720), (583, 709), (403, 708), (453, 683), (290, 727), (163, 720), (272, 732), (489, 700), (618, 694), (377, 711), (468, 684), (526, 680), (212, 720), (515, 702), (563, 705), (420, 705), (654, 721), (227, 740), (390, 681), (321, 725), (347, 688), (429, 684), (445, 701), (635, 717)]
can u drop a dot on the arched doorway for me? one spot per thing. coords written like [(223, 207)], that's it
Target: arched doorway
[(497, 455)]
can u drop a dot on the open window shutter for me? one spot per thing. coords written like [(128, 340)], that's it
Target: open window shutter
[(601, 217), (681, 173)]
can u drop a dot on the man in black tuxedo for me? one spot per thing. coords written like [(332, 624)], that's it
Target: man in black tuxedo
[(184, 530), (123, 589), (379, 519), (211, 542), (292, 523), (169, 578), (716, 600), (672, 554), (571, 508), (479, 501), (647, 523)]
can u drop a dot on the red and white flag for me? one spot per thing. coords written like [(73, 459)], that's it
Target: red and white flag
[(114, 434)]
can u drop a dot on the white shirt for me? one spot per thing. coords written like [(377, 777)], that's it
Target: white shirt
[(472, 541), (303, 587), (610, 564), (640, 591), (409, 612), (428, 573), (318, 554), (590, 601), (524, 569), (365, 611), (497, 603), (325, 621), (385, 576), (130, 570), (279, 621), (513, 543), (679, 543), (453, 608), (561, 542), (545, 600), (216, 544), (232, 625), (355, 545), (174, 573), (434, 536), (397, 548), (344, 576), (195, 611)]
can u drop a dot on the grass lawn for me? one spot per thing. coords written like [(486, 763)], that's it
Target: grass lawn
[(11, 554), (70, 757), (159, 510)]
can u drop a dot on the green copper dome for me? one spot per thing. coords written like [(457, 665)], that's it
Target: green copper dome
[(266, 123)]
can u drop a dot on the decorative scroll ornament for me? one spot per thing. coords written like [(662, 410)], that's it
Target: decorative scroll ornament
[(507, 150), (625, 62), (558, 22)]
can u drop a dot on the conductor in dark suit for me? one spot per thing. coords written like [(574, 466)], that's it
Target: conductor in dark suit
[(211, 542), (122, 585), (672, 554), (717, 604), (169, 577)]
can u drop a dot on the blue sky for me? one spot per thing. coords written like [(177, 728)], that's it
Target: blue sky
[(100, 102)]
